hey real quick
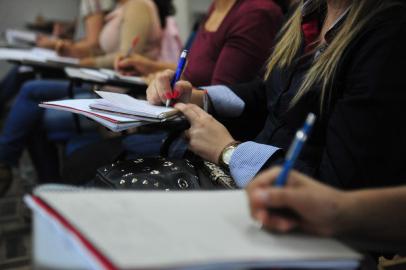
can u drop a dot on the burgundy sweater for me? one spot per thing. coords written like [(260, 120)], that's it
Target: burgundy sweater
[(238, 50)]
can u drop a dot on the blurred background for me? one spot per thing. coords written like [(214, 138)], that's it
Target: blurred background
[(22, 12)]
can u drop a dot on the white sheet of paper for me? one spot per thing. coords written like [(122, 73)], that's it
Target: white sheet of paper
[(140, 230), (82, 106), (15, 36), (128, 104)]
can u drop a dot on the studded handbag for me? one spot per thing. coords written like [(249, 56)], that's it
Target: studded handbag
[(163, 173), (160, 173)]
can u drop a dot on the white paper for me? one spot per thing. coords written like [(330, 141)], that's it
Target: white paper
[(16, 37), (35, 55), (126, 104), (77, 73), (141, 230), (82, 106)]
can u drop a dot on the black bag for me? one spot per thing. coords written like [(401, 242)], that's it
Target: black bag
[(160, 173)]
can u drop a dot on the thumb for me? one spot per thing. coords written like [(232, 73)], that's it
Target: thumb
[(183, 90)]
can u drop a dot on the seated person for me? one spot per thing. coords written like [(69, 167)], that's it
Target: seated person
[(329, 60), (368, 215), (89, 26), (92, 13), (225, 51), (130, 19), (230, 46), (25, 119)]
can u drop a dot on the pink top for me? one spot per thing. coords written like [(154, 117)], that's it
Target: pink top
[(134, 18)]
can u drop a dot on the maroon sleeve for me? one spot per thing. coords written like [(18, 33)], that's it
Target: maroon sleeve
[(247, 45)]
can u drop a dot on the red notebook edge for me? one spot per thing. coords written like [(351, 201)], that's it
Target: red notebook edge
[(98, 257)]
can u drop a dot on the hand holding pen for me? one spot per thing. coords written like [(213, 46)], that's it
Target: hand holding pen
[(130, 52), (179, 70), (290, 160)]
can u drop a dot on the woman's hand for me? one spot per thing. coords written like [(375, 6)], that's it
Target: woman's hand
[(64, 48), (87, 62), (159, 90), (319, 207), (207, 137), (135, 65), (46, 42)]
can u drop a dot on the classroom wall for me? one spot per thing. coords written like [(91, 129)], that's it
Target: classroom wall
[(16, 13)]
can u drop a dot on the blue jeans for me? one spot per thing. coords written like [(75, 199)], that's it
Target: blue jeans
[(24, 126), (11, 83)]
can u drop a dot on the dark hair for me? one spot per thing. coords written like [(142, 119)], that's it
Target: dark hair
[(165, 9)]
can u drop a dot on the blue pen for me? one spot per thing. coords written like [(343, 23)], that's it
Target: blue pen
[(295, 149), (179, 71)]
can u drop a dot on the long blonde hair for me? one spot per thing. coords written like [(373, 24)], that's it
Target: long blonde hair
[(324, 68)]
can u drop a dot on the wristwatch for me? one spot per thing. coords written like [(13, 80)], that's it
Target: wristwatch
[(225, 156)]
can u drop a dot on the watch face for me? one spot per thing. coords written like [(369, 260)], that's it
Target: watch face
[(227, 155)]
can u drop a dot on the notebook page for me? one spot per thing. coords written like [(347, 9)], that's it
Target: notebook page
[(126, 104), (181, 229), (19, 55), (79, 74), (14, 36)]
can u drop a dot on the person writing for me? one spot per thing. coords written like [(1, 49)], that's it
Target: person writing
[(368, 214), (91, 18), (231, 45), (24, 124), (338, 59), (88, 28)]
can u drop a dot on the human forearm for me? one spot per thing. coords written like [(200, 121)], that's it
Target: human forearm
[(374, 215)]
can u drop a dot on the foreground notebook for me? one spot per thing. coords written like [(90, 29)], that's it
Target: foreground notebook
[(167, 230)]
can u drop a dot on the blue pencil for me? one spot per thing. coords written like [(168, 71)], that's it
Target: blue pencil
[(295, 149)]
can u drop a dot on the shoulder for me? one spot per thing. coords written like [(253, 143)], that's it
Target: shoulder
[(134, 8)]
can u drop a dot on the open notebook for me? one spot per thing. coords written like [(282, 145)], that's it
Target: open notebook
[(115, 111), (102, 75), (17, 37), (36, 55), (161, 230)]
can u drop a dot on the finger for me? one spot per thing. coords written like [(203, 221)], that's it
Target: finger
[(163, 84), (184, 87), (190, 111), (276, 223), (187, 134)]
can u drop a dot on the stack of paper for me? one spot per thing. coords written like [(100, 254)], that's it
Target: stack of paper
[(115, 111), (161, 230), (36, 55), (102, 75)]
